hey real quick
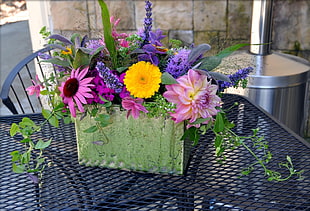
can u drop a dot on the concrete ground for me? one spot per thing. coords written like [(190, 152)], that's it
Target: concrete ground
[(15, 45)]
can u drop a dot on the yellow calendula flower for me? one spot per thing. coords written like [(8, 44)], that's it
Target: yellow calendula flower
[(69, 51), (142, 79)]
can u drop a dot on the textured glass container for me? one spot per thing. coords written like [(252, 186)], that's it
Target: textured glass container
[(144, 144)]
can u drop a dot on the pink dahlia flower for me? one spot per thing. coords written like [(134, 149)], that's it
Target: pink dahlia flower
[(195, 97), (76, 89), (133, 106)]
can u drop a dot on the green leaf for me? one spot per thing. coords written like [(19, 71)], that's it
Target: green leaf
[(25, 158), (67, 120), (167, 79), (57, 61), (219, 76), (42, 145), (192, 134), (54, 121), (96, 53), (15, 156), (107, 102), (27, 122), (219, 123), (46, 113), (39, 162), (107, 32), (74, 36), (103, 119), (197, 52), (26, 140), (218, 141), (210, 63), (91, 129), (14, 129), (94, 111), (60, 106), (44, 92), (121, 69), (81, 59), (227, 51), (201, 120), (288, 158), (18, 168)]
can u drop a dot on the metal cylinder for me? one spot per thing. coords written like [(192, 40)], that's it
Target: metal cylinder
[(280, 86), (261, 27)]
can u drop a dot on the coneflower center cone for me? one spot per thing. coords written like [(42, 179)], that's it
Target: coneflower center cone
[(71, 87)]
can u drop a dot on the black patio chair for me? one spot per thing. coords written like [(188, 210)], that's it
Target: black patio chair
[(13, 92)]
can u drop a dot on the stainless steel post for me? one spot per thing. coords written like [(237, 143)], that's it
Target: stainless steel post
[(261, 27)]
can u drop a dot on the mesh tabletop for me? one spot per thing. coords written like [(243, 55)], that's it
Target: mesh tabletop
[(206, 185)]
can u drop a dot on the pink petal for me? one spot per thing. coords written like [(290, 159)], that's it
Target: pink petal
[(82, 73)]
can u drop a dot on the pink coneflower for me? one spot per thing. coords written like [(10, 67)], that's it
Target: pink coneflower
[(76, 89), (195, 97)]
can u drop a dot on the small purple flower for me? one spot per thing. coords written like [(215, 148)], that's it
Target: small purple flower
[(150, 54), (94, 44), (178, 64), (33, 178), (109, 78), (156, 37), (235, 78), (44, 55)]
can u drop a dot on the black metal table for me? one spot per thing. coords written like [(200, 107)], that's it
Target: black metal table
[(207, 185)]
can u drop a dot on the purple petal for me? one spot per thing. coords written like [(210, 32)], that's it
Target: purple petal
[(33, 178), (60, 38)]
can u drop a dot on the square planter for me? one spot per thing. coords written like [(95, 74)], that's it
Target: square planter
[(144, 144)]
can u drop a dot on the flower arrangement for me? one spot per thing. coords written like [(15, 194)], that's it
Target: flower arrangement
[(138, 73)]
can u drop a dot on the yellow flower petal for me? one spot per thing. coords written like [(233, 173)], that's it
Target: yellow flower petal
[(142, 79)]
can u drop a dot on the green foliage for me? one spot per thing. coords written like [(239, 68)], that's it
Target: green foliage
[(159, 106), (31, 159), (175, 43), (192, 134), (226, 139), (211, 62), (167, 79), (108, 39), (81, 59), (45, 34)]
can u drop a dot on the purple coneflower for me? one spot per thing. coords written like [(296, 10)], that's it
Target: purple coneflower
[(76, 90)]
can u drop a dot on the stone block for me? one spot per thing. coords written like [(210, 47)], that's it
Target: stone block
[(186, 36), (173, 15), (69, 15), (140, 14), (209, 37), (290, 24), (239, 19), (209, 15)]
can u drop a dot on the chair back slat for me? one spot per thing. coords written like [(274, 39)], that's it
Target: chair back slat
[(13, 93)]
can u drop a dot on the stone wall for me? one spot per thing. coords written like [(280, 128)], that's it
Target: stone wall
[(217, 22)]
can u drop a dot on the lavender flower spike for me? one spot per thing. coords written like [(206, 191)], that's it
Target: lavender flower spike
[(110, 80), (235, 78), (147, 22)]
